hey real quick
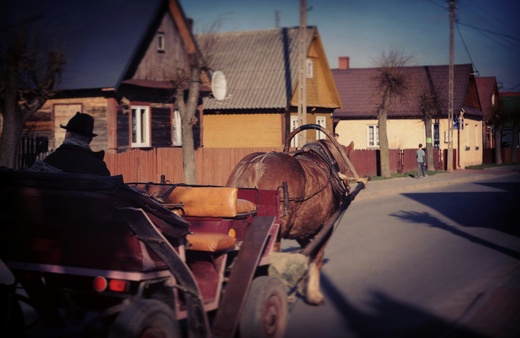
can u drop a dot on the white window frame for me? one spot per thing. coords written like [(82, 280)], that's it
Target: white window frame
[(373, 136), (161, 42), (176, 129), (477, 140), (294, 125), (140, 126), (322, 121), (466, 137), (309, 69)]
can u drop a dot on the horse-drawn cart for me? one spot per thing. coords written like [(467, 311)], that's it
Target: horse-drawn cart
[(94, 256)]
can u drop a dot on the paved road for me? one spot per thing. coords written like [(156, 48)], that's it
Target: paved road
[(495, 312)]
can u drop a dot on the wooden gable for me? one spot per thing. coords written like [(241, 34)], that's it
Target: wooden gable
[(321, 88)]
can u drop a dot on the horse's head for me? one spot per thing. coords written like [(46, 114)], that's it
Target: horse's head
[(344, 169)]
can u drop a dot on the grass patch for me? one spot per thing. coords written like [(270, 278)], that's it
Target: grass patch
[(406, 174), (491, 165)]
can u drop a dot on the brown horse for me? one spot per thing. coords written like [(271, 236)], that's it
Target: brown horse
[(316, 178)]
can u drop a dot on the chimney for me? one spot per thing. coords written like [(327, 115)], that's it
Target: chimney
[(344, 62)]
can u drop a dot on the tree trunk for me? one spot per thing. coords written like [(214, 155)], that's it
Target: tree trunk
[(514, 142), (188, 119), (10, 140), (498, 145), (12, 124), (430, 165), (383, 138)]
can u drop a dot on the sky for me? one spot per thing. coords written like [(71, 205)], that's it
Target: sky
[(486, 33)]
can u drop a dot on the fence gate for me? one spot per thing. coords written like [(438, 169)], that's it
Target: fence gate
[(30, 149)]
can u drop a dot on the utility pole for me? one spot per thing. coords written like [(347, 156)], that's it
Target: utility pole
[(450, 94), (302, 75)]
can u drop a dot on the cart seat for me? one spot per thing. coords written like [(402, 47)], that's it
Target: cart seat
[(211, 242)]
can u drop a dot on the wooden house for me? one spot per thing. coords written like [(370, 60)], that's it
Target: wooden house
[(357, 120), (261, 68), (121, 57)]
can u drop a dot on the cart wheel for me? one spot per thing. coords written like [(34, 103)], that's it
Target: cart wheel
[(11, 314), (146, 318), (265, 310)]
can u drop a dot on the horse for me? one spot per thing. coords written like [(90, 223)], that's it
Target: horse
[(316, 182)]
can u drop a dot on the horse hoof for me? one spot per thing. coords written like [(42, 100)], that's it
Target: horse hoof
[(316, 299)]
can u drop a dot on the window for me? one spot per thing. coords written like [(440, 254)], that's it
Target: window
[(140, 126), (322, 121), (436, 135), (309, 69), (160, 42), (294, 125), (177, 129), (373, 136)]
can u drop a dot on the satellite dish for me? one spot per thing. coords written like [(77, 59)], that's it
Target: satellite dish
[(218, 85)]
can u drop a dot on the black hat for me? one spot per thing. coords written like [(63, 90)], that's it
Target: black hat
[(82, 124)]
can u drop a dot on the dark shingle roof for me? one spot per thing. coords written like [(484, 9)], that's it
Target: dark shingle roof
[(360, 98), (486, 87), (260, 66), (99, 38)]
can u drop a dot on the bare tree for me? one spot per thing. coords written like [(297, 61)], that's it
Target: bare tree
[(431, 108), (187, 105), (514, 141), (498, 120), (28, 75), (511, 111), (391, 83), (200, 62)]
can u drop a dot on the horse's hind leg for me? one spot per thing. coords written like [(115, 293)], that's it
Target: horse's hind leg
[(313, 293)]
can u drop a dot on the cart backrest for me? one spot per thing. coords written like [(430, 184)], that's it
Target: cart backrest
[(73, 220)]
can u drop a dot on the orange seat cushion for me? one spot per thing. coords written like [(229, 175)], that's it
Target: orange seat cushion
[(210, 242)]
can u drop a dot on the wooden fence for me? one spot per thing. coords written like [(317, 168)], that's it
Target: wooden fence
[(488, 155), (214, 165), (30, 149)]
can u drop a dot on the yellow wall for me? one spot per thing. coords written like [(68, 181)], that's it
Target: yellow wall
[(471, 143), (242, 130), (407, 134), (402, 134)]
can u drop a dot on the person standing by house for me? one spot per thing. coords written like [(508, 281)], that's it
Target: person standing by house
[(420, 155), (75, 155)]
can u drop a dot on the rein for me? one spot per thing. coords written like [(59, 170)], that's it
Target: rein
[(338, 185), (305, 198)]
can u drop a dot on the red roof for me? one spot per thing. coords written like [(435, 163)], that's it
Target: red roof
[(360, 98), (487, 86)]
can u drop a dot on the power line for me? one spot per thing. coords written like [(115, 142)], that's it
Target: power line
[(467, 50), (490, 31)]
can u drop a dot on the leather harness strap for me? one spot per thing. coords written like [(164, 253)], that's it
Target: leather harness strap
[(338, 185)]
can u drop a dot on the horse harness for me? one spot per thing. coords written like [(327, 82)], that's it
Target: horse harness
[(339, 187)]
